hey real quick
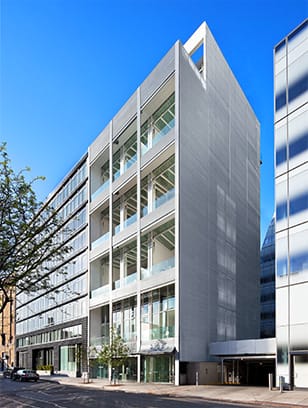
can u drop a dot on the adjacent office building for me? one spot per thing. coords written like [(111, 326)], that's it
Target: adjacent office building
[(291, 184), (51, 327), (174, 218), (267, 283)]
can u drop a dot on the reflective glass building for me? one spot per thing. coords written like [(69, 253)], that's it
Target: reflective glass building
[(291, 189), (267, 283)]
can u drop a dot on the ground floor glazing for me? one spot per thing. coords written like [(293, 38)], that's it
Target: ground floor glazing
[(158, 368)]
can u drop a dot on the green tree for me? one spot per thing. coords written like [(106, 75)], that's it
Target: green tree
[(29, 234), (113, 354)]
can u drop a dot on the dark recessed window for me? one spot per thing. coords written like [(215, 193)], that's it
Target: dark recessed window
[(280, 45), (298, 30)]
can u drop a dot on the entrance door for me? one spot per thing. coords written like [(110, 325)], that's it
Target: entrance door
[(157, 368), (301, 371)]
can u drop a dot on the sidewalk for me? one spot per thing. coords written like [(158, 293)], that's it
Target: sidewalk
[(257, 395)]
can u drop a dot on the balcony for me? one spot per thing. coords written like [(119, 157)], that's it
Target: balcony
[(99, 341), (100, 240), (169, 195), (157, 268), (125, 151), (103, 290), (158, 125), (102, 188)]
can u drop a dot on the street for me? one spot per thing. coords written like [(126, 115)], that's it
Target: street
[(52, 395)]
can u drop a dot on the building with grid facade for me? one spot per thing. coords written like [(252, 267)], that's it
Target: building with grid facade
[(51, 326), (291, 189), (174, 219)]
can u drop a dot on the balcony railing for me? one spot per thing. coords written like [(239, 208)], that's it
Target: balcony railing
[(100, 291), (99, 341), (120, 283), (157, 136), (130, 162), (100, 190), (169, 195), (129, 221), (157, 268), (130, 278), (166, 129), (116, 284), (100, 240), (164, 198), (162, 332)]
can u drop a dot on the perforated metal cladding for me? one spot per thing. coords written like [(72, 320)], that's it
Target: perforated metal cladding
[(99, 144), (125, 115), (219, 226), (159, 74)]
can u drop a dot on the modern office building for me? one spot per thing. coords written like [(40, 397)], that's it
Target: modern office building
[(51, 327), (267, 283), (174, 253), (291, 184)]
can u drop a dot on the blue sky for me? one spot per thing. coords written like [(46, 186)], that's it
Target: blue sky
[(67, 66)]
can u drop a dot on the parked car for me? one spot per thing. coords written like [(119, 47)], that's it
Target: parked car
[(11, 371), (26, 375)]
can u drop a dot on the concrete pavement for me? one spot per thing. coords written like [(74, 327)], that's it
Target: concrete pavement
[(258, 395)]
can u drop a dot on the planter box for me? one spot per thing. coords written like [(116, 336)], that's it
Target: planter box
[(43, 372)]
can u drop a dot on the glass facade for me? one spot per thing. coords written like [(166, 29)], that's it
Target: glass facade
[(157, 369), (43, 318), (158, 314), (69, 358), (291, 171), (158, 124), (267, 283), (136, 253)]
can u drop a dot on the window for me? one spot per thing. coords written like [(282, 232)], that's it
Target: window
[(281, 100), (158, 124), (298, 87), (282, 267), (157, 314), (68, 358), (281, 211), (299, 204), (298, 146), (299, 262), (281, 155)]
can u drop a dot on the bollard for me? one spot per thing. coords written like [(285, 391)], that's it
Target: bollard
[(281, 381), (270, 381), (197, 378)]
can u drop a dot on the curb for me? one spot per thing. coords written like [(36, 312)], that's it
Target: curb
[(114, 388)]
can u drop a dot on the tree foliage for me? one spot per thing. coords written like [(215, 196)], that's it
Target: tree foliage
[(29, 233), (115, 353)]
